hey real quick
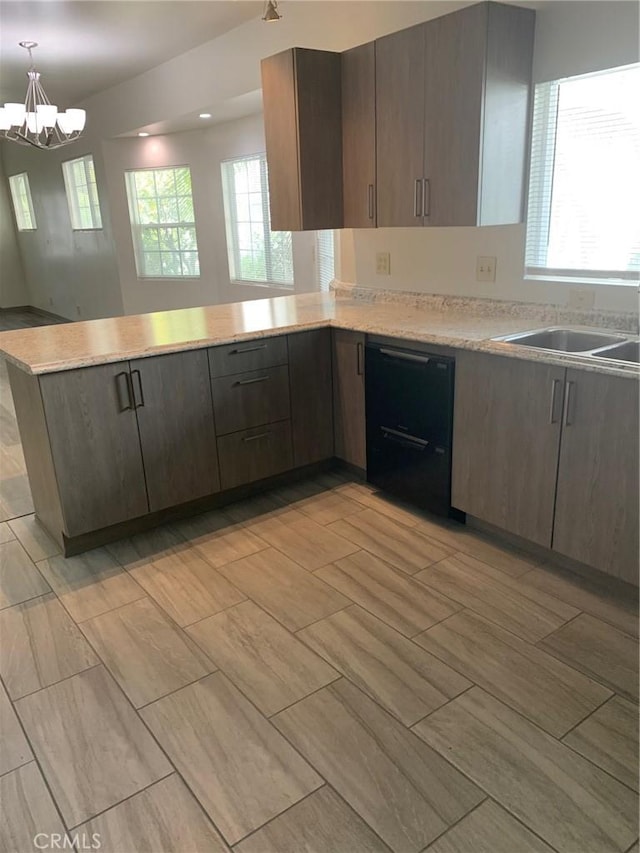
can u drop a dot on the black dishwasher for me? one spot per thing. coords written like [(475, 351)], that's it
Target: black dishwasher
[(409, 404)]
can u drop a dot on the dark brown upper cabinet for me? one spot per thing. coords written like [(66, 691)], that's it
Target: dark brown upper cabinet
[(359, 136), (301, 91), (452, 118)]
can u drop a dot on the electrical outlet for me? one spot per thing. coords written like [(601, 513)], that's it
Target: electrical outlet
[(581, 299), (485, 268), (383, 263)]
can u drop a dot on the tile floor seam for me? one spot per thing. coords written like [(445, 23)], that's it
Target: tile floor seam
[(262, 826), (60, 680), (455, 823)]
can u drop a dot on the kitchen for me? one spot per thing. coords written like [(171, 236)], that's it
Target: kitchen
[(321, 617)]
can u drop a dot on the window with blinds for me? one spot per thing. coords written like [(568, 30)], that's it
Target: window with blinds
[(22, 204), (325, 259), (583, 218), (82, 193), (257, 255)]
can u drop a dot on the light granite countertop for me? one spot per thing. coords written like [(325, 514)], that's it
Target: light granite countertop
[(50, 349)]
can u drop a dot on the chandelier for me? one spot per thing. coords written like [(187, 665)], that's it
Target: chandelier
[(38, 122)]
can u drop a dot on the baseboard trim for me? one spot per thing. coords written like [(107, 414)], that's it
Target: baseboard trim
[(17, 309)]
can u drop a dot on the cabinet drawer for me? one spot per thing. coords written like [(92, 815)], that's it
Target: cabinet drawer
[(246, 400), (248, 355), (254, 454)]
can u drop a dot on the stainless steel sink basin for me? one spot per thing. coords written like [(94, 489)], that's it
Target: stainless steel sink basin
[(628, 351), (564, 340)]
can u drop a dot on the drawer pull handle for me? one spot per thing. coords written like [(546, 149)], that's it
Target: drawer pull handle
[(370, 201), (252, 381), (127, 382), (137, 405), (403, 438), (417, 198), (552, 408), (360, 358), (426, 197), (568, 400), (256, 437), (247, 349), (407, 356)]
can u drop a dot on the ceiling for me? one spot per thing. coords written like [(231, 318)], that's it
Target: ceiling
[(86, 46)]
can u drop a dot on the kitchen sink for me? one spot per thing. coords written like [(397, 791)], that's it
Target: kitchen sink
[(564, 340), (627, 351)]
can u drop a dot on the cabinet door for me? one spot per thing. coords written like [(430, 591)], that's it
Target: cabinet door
[(245, 400), (95, 446), (175, 416), (400, 92), (359, 136), (348, 397), (506, 434), (311, 397), (454, 79), (597, 501)]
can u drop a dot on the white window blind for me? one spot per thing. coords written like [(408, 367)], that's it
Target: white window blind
[(22, 204), (256, 253), (583, 217), (163, 222), (82, 193), (325, 259)]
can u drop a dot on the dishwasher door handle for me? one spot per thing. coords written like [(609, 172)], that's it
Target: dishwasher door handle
[(406, 356), (403, 438)]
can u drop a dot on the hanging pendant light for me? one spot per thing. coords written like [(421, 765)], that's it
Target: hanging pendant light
[(38, 122), (271, 13)]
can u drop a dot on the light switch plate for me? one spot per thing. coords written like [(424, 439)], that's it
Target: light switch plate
[(383, 263), (485, 268)]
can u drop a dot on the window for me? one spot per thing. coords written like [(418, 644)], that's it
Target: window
[(22, 204), (256, 253), (585, 172), (82, 193), (163, 222), (325, 259)]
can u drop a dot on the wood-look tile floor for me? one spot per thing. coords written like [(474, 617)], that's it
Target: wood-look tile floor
[(316, 670)]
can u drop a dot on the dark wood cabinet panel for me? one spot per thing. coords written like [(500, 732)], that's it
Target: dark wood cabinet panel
[(359, 136), (348, 397), (254, 454), (506, 435), (248, 355), (95, 446), (597, 508), (454, 53), (302, 111), (311, 396), (400, 98), (175, 419), (249, 399)]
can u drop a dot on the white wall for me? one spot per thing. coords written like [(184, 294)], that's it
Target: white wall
[(571, 38), (13, 285), (203, 151)]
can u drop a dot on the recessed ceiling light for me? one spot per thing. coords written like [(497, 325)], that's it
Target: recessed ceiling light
[(205, 115), (143, 133)]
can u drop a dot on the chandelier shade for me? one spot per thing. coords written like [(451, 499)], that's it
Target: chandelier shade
[(38, 122)]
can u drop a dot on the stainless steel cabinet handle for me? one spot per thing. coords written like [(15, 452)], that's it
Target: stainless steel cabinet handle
[(568, 397), (247, 349), (360, 359), (256, 437), (552, 408), (252, 381), (127, 383), (417, 198), (370, 200), (407, 356), (137, 405), (426, 197)]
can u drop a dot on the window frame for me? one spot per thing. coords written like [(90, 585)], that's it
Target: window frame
[(17, 197), (542, 168), (232, 222), (137, 227), (71, 190)]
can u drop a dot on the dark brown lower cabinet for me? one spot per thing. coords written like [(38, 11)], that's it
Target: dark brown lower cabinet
[(348, 397), (311, 396), (95, 446), (172, 395), (596, 520), (254, 454), (244, 400)]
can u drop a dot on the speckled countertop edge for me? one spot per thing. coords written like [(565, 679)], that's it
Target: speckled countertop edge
[(51, 349)]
